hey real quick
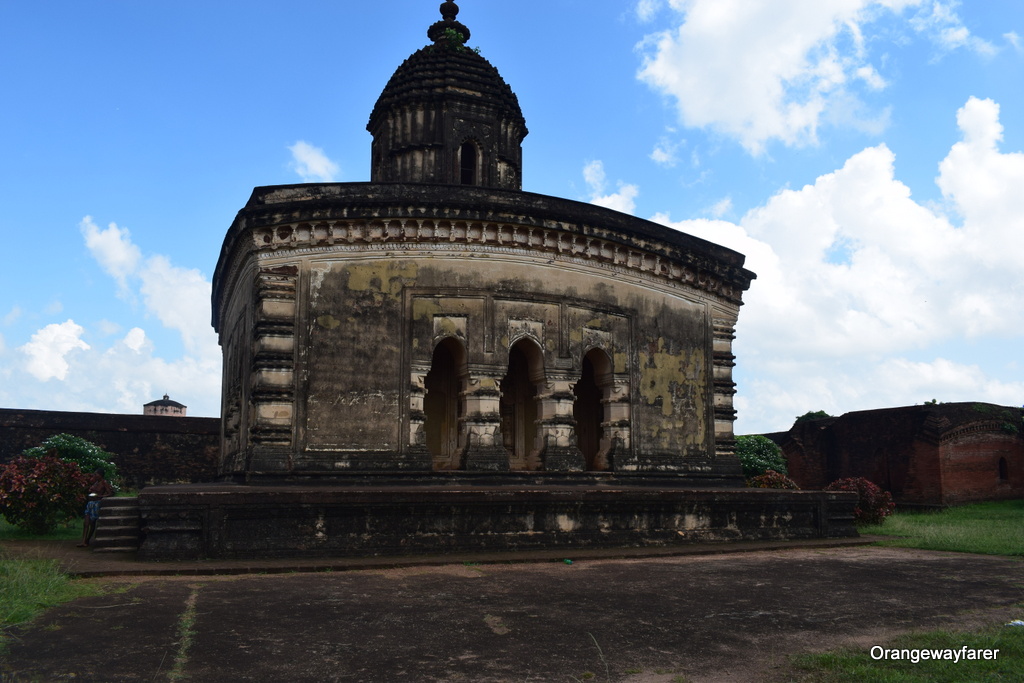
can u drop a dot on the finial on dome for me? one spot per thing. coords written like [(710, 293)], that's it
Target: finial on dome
[(449, 10)]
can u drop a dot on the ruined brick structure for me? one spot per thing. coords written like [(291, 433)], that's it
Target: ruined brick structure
[(934, 454), (437, 359)]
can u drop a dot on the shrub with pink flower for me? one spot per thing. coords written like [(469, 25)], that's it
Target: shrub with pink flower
[(873, 504), (37, 494), (772, 480)]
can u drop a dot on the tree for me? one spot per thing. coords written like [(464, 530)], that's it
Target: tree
[(812, 415), (758, 454), (88, 456)]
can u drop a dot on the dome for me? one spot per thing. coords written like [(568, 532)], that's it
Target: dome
[(446, 116), (441, 72)]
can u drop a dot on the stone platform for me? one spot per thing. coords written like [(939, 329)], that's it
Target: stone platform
[(413, 515)]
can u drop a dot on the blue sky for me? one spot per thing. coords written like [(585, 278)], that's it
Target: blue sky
[(866, 156)]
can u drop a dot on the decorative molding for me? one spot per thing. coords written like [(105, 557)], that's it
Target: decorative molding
[(407, 234)]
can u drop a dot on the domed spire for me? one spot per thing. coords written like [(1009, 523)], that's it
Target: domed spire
[(437, 32), (446, 116)]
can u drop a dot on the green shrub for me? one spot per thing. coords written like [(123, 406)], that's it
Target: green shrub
[(758, 454), (88, 456), (812, 415), (873, 504), (38, 494), (772, 480)]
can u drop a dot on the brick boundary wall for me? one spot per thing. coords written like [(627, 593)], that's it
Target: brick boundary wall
[(148, 449)]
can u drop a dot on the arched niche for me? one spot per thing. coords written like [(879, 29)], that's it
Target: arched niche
[(592, 392), (443, 406), (519, 390)]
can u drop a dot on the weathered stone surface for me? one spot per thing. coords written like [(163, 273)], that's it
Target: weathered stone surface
[(357, 290), (239, 521)]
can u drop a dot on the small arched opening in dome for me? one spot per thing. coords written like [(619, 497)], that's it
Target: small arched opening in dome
[(1004, 470), (469, 163)]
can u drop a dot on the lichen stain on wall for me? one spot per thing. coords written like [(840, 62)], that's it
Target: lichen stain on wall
[(425, 309), (620, 362), (328, 322), (448, 328), (387, 277), (665, 375)]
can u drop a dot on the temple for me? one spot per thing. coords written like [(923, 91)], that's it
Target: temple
[(437, 360)]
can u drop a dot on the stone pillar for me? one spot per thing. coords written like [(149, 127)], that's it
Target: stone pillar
[(615, 452), (556, 428), (272, 375), (481, 424), (723, 362), (417, 447)]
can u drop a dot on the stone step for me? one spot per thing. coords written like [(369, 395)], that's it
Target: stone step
[(118, 531), (120, 504), (119, 540), (116, 522), (118, 516), (119, 527)]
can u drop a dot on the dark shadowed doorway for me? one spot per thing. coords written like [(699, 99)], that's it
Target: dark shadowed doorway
[(442, 405), (519, 405), (589, 410)]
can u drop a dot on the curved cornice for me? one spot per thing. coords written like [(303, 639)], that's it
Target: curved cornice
[(300, 216)]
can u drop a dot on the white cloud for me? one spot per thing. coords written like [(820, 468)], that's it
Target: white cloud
[(129, 370), (311, 163), (940, 22), (646, 9), (180, 298), (855, 278), (113, 249), (12, 316), (666, 153), (107, 328), (762, 70), (135, 339), (623, 200), (48, 350), (721, 207), (120, 377)]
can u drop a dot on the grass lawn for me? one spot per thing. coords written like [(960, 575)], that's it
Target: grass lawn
[(29, 586), (995, 528), (70, 531), (845, 666)]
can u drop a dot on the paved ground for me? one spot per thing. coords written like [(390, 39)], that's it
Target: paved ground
[(651, 619)]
